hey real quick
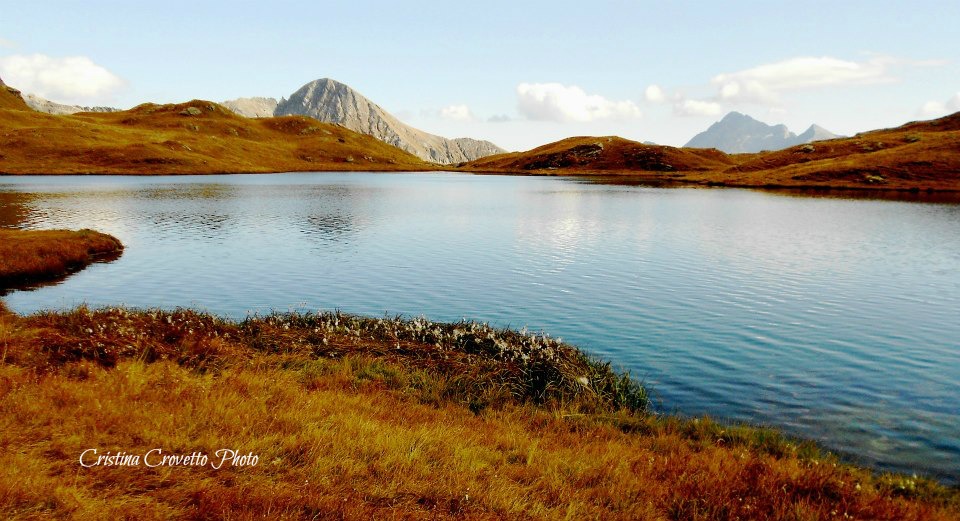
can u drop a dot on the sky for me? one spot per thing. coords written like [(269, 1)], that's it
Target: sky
[(520, 74)]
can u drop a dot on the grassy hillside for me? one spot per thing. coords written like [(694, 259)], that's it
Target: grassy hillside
[(916, 156), (198, 137), (921, 155), (10, 98), (586, 154)]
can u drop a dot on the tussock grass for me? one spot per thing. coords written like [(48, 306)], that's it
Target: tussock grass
[(360, 418), (32, 256)]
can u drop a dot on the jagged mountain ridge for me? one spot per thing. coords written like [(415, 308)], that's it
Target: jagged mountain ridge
[(739, 133), (330, 101), (52, 107)]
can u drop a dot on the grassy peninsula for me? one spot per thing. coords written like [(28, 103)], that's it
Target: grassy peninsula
[(34, 256), (358, 418)]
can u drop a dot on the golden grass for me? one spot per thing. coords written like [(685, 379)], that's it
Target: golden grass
[(32, 256), (197, 137), (348, 425), (10, 98)]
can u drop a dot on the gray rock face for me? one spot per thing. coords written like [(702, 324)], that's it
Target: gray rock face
[(739, 133), (252, 107), (333, 102), (51, 107)]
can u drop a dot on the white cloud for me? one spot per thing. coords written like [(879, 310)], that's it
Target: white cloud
[(692, 107), (72, 79), (7, 44), (456, 113), (655, 94), (936, 109), (557, 102), (763, 84)]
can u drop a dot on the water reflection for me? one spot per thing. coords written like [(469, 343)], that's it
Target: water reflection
[(104, 258), (905, 196), (15, 209)]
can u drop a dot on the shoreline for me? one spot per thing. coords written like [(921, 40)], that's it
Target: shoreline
[(627, 178)]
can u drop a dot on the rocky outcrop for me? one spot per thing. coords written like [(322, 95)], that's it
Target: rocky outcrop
[(333, 102), (252, 107), (815, 133), (738, 133), (51, 107)]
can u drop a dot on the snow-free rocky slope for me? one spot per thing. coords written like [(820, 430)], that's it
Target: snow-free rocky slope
[(333, 102)]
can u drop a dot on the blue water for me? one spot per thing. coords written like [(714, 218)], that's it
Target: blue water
[(833, 319)]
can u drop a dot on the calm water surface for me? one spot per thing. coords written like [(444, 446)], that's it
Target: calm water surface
[(833, 319)]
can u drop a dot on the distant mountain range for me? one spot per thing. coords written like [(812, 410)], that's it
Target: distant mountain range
[(51, 107), (330, 101), (333, 102), (739, 133)]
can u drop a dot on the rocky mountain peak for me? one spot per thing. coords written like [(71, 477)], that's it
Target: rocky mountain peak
[(816, 133), (330, 101), (740, 133)]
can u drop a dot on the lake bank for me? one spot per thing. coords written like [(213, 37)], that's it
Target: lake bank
[(375, 417)]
